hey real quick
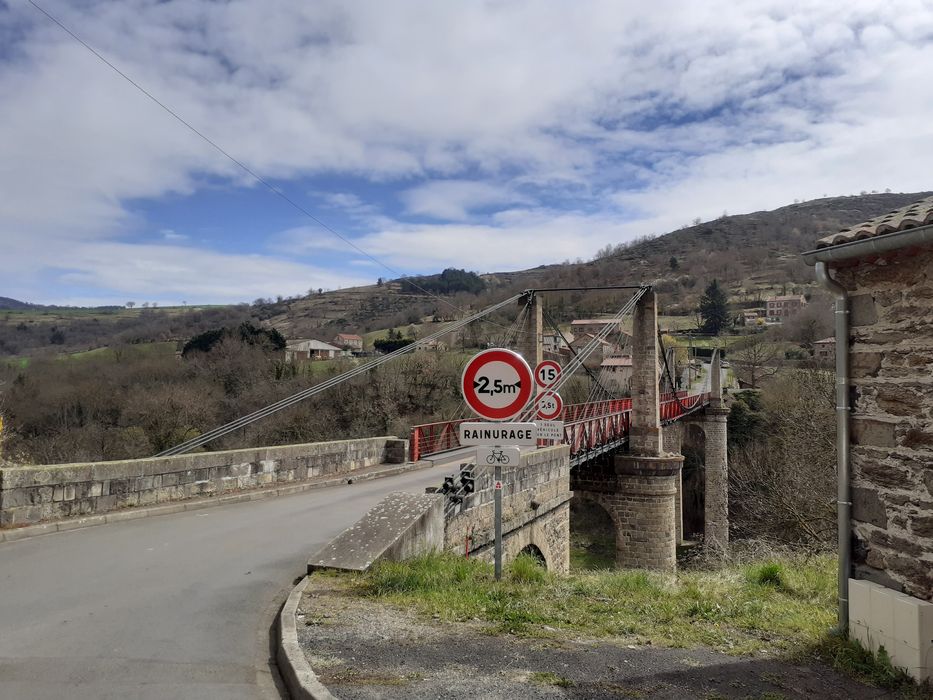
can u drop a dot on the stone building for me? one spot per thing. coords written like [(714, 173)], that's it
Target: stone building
[(782, 307), (881, 273)]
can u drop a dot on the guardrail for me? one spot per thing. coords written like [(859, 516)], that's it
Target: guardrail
[(587, 426)]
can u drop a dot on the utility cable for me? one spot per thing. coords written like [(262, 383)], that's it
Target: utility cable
[(327, 384), (240, 164), (553, 324)]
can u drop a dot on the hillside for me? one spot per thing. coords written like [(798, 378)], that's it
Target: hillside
[(10, 304), (752, 255)]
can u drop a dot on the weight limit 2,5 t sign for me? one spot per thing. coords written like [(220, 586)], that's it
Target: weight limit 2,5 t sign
[(497, 384)]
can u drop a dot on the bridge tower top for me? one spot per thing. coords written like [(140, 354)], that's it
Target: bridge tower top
[(645, 437)]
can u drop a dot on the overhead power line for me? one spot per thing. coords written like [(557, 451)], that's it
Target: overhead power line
[(240, 164), (328, 384)]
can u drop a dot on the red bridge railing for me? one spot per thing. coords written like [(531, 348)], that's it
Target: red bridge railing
[(587, 426)]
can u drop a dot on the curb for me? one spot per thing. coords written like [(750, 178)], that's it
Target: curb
[(170, 508), (294, 668)]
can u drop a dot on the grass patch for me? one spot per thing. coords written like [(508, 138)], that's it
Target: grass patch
[(768, 574), (548, 678), (849, 656), (731, 610), (782, 605)]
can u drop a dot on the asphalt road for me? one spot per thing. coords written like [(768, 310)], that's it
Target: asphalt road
[(173, 606)]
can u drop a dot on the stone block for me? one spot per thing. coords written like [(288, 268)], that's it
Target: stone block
[(867, 507), (863, 311), (922, 525), (865, 364), (95, 489), (869, 431)]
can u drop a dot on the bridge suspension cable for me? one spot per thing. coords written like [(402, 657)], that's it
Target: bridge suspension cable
[(328, 384), (581, 357)]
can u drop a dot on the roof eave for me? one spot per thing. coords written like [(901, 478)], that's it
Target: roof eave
[(871, 246)]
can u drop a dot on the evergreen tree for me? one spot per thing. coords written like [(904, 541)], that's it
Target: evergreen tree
[(673, 263), (714, 309)]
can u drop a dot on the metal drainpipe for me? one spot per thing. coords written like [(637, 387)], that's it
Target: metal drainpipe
[(843, 497)]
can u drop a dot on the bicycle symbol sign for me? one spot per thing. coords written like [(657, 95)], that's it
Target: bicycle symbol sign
[(498, 456)]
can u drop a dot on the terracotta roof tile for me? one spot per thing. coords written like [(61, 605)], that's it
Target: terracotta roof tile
[(912, 216)]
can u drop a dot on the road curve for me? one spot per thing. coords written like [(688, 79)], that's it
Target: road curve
[(174, 606)]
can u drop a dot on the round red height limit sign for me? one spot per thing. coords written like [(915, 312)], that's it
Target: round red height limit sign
[(549, 406), (497, 384)]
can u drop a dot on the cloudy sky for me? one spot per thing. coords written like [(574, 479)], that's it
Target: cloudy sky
[(487, 135)]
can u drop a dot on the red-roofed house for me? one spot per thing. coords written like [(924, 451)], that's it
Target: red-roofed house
[(349, 341)]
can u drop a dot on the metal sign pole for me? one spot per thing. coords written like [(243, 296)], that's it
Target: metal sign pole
[(498, 518)]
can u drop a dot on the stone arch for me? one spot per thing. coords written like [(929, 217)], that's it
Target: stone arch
[(594, 529), (531, 540), (535, 552)]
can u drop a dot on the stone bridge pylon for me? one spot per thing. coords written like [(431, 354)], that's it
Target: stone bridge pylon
[(641, 489)]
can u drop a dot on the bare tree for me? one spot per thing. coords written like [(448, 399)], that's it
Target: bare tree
[(754, 359), (782, 483)]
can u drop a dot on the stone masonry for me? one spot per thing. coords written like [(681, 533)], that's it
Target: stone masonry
[(535, 510), (891, 302), (643, 499), (30, 495)]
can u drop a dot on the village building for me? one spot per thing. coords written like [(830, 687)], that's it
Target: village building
[(783, 307), (607, 347), (824, 350), (308, 350), (616, 373), (555, 343), (880, 275), (591, 325), (349, 341)]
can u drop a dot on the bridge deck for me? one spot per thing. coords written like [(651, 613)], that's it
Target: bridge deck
[(590, 429)]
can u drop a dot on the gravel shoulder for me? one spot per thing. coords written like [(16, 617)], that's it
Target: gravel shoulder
[(361, 648)]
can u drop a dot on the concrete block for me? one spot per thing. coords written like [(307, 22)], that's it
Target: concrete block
[(913, 621), (859, 602), (95, 489), (882, 611), (905, 656), (859, 632)]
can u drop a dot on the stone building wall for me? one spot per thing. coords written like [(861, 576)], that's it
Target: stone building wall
[(892, 421), (535, 510), (34, 494)]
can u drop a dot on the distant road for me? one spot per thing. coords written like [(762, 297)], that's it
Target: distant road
[(174, 606)]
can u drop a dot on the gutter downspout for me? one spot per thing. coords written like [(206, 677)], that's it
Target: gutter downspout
[(843, 408)]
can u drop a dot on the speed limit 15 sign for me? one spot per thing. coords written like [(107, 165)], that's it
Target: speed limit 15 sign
[(546, 373)]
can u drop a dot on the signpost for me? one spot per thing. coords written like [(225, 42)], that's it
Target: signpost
[(497, 384), (546, 373), (550, 430), (497, 434), (549, 406), (495, 456)]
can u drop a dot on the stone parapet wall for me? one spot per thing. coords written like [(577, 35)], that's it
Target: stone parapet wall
[(31, 495), (535, 510), (891, 303)]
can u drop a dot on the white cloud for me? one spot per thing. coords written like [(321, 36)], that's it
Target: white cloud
[(573, 119), (453, 200)]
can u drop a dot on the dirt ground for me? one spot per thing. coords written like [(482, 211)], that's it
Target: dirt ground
[(363, 649)]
